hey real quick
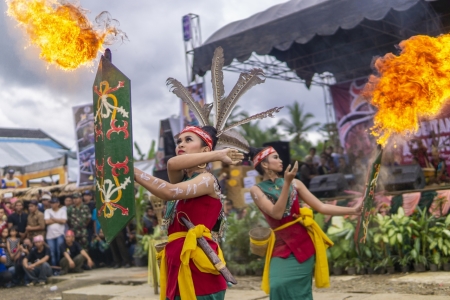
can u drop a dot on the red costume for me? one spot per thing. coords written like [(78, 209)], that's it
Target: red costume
[(201, 210)]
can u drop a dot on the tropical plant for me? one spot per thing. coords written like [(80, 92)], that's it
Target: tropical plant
[(438, 239), (420, 230), (145, 156), (399, 232), (257, 136), (298, 123), (236, 246), (341, 233)]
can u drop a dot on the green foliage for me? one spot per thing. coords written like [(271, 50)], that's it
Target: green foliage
[(237, 243), (141, 155)]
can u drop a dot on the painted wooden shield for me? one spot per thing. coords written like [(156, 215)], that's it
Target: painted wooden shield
[(368, 201), (114, 191)]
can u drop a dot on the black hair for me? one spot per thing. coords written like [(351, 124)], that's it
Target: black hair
[(14, 228), (251, 155), (212, 132)]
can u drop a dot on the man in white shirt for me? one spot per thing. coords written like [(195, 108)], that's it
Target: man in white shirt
[(55, 218)]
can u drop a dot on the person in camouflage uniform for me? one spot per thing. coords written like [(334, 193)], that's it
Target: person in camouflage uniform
[(78, 218)]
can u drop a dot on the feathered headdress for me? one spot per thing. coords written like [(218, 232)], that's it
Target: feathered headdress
[(223, 106)]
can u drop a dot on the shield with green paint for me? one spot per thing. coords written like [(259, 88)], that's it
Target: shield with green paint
[(114, 191)]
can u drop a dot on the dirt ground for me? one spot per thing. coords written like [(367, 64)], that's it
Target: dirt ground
[(367, 284)]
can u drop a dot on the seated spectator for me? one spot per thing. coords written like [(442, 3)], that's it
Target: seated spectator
[(73, 255), (19, 219), (56, 219), (323, 167), (5, 275), (19, 271), (150, 221), (343, 167), (100, 251), (307, 171), (36, 264), (35, 221)]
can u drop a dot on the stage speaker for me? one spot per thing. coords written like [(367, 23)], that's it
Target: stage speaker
[(330, 185), (169, 141), (399, 178), (283, 151)]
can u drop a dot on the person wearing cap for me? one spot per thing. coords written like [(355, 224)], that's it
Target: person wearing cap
[(73, 255), (12, 182), (56, 219), (78, 218), (45, 202), (19, 219), (35, 221), (36, 263)]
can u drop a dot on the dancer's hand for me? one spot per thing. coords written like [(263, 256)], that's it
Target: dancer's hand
[(231, 156), (289, 174), (358, 208)]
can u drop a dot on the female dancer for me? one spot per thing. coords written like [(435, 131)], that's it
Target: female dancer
[(200, 192), (296, 240)]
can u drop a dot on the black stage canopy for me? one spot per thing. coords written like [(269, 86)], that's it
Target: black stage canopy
[(317, 36)]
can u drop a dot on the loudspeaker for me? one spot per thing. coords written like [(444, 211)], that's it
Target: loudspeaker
[(283, 151), (399, 178), (169, 141), (330, 185)]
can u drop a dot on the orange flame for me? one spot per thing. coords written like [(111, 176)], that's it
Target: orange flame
[(411, 87), (61, 31)]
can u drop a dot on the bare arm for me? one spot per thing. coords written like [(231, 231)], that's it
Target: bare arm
[(276, 210), (177, 164), (88, 258), (321, 207), (41, 261), (59, 221), (203, 184)]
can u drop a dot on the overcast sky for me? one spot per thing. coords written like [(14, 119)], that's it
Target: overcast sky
[(34, 95)]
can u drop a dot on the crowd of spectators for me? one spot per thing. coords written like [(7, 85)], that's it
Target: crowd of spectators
[(330, 162), (51, 236)]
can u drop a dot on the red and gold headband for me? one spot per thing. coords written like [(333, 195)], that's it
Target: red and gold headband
[(262, 155), (201, 133)]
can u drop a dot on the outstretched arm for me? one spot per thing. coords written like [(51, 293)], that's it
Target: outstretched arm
[(203, 184), (321, 207), (177, 164)]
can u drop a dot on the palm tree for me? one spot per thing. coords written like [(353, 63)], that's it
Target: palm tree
[(298, 124), (257, 136)]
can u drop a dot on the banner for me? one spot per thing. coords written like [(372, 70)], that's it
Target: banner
[(187, 117), (354, 118), (84, 132)]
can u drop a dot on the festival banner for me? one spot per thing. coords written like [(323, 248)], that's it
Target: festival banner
[(84, 132), (187, 117), (113, 149), (354, 118)]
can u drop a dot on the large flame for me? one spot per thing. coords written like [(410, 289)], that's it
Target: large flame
[(62, 32), (411, 87)]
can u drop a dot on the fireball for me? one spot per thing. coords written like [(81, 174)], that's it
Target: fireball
[(410, 87), (62, 32)]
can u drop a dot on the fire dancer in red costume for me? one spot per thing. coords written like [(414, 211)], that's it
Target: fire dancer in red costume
[(186, 273)]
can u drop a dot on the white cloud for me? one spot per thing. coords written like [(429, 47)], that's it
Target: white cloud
[(35, 96)]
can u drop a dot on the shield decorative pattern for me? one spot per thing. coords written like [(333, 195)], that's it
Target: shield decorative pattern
[(114, 174), (368, 201)]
